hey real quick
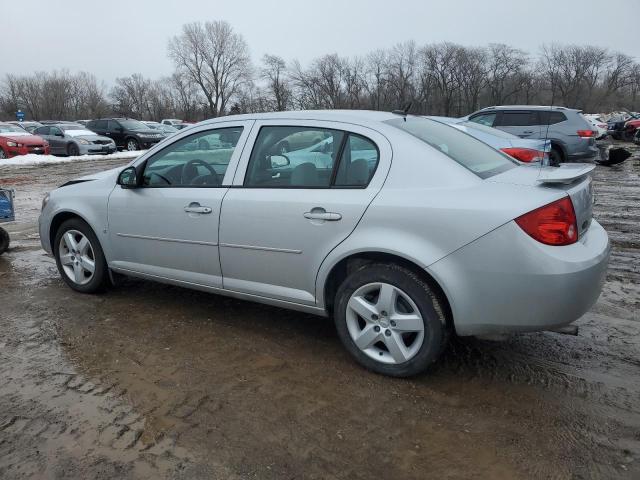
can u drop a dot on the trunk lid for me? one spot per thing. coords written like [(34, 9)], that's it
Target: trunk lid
[(573, 179)]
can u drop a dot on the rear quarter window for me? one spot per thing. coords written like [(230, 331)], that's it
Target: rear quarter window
[(474, 155)]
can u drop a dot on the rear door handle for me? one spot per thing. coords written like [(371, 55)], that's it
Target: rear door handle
[(195, 207), (322, 214)]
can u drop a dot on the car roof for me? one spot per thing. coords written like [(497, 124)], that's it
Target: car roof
[(346, 116), (528, 107)]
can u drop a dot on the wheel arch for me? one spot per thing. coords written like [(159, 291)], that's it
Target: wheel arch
[(61, 217), (354, 261)]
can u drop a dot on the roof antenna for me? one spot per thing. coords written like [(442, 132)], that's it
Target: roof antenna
[(405, 111)]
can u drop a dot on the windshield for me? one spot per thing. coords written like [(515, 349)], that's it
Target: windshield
[(133, 125), (10, 128), (461, 147)]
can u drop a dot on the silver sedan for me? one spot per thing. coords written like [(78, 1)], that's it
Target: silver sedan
[(402, 229), (74, 139)]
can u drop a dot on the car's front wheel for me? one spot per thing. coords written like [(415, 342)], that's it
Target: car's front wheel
[(390, 320), (79, 257), (72, 150), (132, 144)]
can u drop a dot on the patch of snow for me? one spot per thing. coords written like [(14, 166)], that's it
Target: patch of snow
[(32, 159)]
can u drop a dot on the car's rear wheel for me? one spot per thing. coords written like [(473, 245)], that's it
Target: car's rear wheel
[(79, 257), (390, 320), (2, 154), (73, 150), (132, 144)]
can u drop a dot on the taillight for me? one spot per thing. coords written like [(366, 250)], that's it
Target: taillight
[(527, 155), (553, 224), (586, 133)]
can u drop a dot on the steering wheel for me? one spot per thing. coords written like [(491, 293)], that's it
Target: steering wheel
[(190, 174)]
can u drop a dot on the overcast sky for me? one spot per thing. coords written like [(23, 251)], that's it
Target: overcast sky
[(114, 38)]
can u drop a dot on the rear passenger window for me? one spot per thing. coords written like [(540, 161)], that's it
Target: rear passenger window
[(310, 157), (551, 118), (518, 119), (358, 162)]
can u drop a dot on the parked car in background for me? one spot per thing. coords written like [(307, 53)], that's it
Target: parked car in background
[(17, 141), (451, 235), (171, 121), (618, 126), (167, 130), (74, 139), (636, 139), (572, 136), (598, 124), (82, 122), (525, 150), (127, 133), (29, 126), (55, 122)]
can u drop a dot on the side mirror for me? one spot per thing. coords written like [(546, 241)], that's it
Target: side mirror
[(279, 161), (128, 178)]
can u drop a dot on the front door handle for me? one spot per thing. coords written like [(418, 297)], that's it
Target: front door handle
[(321, 214), (195, 207)]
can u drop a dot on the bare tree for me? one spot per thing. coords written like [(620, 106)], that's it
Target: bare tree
[(215, 58), (278, 88)]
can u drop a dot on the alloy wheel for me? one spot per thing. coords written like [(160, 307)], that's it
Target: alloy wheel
[(385, 323), (2, 154), (77, 257), (132, 145)]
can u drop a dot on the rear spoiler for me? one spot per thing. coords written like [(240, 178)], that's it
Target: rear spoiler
[(565, 173)]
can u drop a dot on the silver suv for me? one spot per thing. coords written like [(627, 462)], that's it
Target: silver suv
[(572, 136), (402, 228)]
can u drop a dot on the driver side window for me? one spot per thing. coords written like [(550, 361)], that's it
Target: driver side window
[(199, 160)]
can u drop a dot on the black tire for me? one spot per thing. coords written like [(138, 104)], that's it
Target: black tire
[(3, 155), (555, 156), (4, 240), (100, 278), (73, 150), (420, 292), (132, 144)]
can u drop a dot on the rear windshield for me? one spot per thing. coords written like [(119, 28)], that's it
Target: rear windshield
[(461, 147)]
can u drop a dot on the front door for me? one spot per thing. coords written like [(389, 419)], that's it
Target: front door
[(168, 227), (298, 193)]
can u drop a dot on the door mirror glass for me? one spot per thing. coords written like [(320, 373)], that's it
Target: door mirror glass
[(279, 161), (128, 178)]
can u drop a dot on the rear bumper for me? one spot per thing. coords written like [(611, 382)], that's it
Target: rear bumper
[(507, 282)]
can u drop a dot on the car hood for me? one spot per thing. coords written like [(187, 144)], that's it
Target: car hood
[(93, 137), (24, 138), (112, 173), (149, 131)]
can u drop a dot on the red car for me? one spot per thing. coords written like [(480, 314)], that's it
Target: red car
[(631, 127), (17, 141)]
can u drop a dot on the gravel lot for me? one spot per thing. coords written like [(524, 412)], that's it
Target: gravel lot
[(154, 381)]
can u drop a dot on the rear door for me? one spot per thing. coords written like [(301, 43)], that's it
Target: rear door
[(522, 123), (288, 209)]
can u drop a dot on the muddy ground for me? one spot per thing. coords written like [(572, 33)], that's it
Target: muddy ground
[(154, 381)]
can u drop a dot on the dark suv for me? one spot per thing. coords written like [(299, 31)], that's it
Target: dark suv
[(572, 136), (128, 134)]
